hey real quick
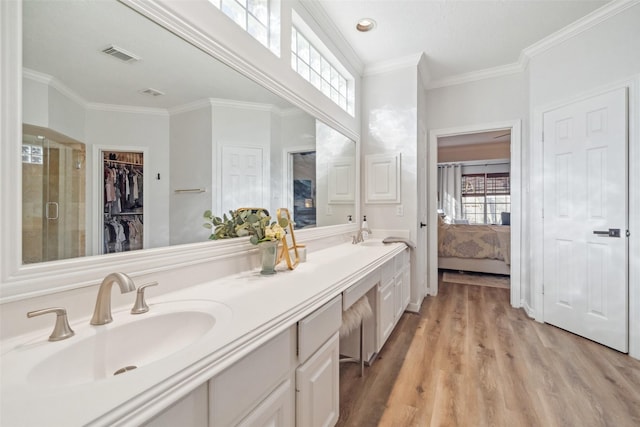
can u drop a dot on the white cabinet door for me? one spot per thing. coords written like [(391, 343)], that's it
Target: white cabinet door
[(317, 387), (190, 411), (385, 312), (275, 411)]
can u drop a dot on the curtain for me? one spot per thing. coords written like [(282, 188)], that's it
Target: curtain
[(450, 190)]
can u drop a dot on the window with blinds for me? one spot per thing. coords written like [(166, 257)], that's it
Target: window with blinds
[(485, 197)]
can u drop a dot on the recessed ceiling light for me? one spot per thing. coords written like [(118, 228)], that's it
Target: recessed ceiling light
[(365, 24)]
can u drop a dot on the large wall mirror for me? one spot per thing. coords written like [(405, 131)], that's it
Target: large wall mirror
[(109, 96)]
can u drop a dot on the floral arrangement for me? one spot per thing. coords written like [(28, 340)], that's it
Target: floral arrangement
[(246, 222)]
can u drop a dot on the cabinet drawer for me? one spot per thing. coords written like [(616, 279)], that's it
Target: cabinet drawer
[(355, 292), (317, 327), (237, 390)]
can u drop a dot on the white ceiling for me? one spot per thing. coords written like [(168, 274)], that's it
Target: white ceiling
[(64, 39), (456, 36)]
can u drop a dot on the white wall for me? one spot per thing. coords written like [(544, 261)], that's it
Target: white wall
[(485, 101), (390, 126), (331, 146), (243, 127), (603, 55), (191, 154), (298, 131), (45, 106), (493, 100), (150, 131)]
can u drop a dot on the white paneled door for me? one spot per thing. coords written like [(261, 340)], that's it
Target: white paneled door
[(585, 218), (242, 181)]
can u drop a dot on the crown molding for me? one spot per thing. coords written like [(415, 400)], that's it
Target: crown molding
[(114, 108), (487, 73), (392, 64), (572, 30), (54, 83), (583, 24), (191, 106), (217, 102)]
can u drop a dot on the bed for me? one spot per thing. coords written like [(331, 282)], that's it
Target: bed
[(480, 248)]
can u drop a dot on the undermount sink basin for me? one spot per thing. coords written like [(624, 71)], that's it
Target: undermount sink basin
[(131, 341)]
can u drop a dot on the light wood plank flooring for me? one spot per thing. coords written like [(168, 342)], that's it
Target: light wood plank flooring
[(470, 359)]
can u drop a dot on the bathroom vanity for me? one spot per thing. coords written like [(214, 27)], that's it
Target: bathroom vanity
[(244, 349)]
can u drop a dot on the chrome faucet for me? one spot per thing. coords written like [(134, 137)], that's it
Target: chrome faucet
[(358, 238), (102, 312)]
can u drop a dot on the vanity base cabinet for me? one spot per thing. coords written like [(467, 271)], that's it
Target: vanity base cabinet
[(256, 390), (274, 411), (190, 411), (394, 294), (317, 387)]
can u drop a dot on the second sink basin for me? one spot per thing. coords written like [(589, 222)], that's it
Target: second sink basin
[(129, 342)]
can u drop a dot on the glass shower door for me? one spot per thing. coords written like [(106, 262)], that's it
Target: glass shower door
[(53, 199)]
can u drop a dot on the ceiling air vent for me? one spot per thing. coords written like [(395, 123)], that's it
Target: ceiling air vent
[(151, 92), (120, 53)]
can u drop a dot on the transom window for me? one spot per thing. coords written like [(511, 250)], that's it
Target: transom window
[(314, 67), (485, 197), (255, 17)]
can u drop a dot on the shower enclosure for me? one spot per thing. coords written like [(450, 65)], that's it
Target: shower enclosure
[(53, 197)]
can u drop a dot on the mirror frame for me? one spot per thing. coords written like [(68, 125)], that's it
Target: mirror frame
[(18, 281)]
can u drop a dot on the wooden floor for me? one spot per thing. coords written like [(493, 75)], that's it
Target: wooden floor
[(469, 359)]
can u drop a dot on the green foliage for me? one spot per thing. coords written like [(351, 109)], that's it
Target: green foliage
[(223, 228), (256, 224)]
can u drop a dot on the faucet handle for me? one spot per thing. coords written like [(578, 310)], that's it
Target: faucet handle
[(61, 330), (140, 305)]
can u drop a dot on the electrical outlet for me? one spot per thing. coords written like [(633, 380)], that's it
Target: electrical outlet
[(329, 210), (400, 210)]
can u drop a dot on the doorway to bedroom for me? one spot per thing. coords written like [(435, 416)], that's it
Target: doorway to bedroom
[(474, 200)]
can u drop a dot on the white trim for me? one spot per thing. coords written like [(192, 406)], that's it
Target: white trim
[(516, 201), (536, 224), (19, 282), (317, 12), (473, 76), (54, 83), (572, 30), (166, 13), (129, 109), (97, 182), (392, 64), (575, 28), (634, 218), (287, 172)]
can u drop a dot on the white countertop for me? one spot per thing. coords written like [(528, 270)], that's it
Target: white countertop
[(261, 307)]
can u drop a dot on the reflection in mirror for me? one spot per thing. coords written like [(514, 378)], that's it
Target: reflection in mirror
[(53, 190), (101, 75)]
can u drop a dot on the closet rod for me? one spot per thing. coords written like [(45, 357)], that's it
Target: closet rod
[(123, 163)]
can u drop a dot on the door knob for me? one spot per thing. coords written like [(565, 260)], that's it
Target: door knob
[(422, 224)]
